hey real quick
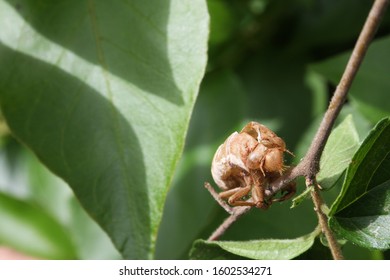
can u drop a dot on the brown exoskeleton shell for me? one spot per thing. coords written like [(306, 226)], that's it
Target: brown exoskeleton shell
[(245, 164)]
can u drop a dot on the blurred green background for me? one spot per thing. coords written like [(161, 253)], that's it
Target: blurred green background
[(276, 62)]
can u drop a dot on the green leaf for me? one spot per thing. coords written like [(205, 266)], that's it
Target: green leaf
[(102, 93), (31, 230), (266, 249), (370, 89), (55, 196), (361, 213), (338, 152), (367, 221), (301, 197), (92, 243), (203, 250)]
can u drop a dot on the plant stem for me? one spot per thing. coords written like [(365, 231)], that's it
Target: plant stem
[(323, 220), (237, 213)]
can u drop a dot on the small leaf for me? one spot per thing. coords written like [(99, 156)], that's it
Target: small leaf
[(338, 152), (361, 213), (266, 249), (31, 230), (299, 198)]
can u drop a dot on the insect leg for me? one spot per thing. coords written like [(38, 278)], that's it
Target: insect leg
[(234, 199)]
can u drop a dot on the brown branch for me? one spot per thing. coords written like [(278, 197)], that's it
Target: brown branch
[(323, 220), (237, 213), (309, 166)]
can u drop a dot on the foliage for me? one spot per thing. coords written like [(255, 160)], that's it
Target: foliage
[(361, 212), (104, 95), (271, 249), (92, 103)]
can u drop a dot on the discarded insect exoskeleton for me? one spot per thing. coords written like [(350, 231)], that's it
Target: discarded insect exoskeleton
[(245, 164)]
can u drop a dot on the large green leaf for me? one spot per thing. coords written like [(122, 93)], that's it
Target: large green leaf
[(266, 249), (102, 92), (361, 213)]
